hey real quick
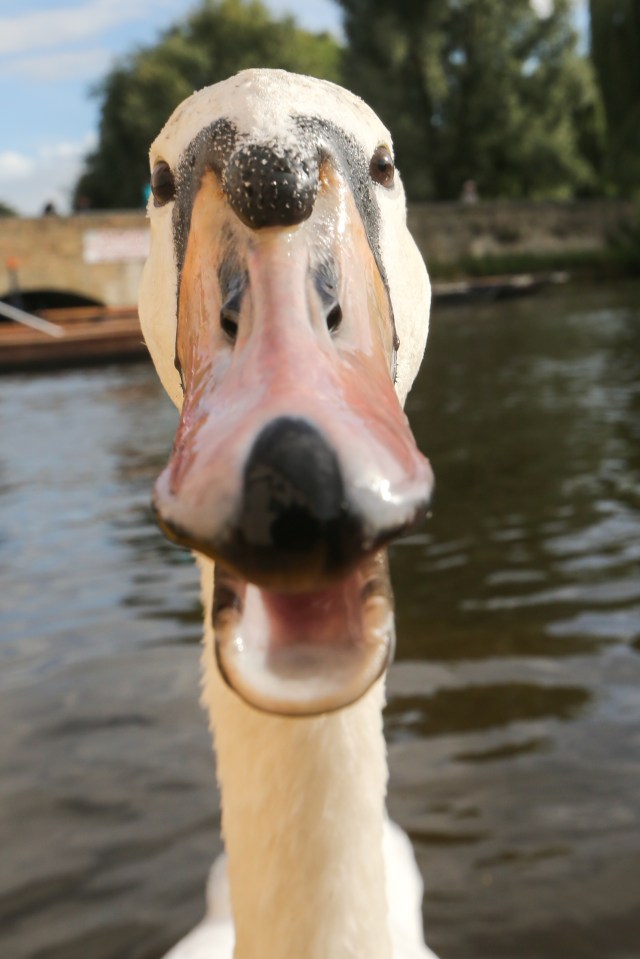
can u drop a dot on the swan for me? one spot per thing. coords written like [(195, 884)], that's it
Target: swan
[(285, 307)]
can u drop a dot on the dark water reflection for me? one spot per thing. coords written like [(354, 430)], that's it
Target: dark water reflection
[(514, 707)]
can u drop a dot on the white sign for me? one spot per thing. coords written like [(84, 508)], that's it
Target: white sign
[(115, 246)]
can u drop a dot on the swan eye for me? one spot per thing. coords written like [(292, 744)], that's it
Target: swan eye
[(381, 168), (163, 185)]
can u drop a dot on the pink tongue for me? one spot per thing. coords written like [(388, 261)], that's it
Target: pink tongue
[(307, 653), (329, 617)]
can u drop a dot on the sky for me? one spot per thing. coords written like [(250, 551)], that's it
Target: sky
[(54, 52)]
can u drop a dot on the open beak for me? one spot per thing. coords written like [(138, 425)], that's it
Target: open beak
[(293, 464)]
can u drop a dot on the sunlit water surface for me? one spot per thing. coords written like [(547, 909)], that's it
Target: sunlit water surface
[(514, 704)]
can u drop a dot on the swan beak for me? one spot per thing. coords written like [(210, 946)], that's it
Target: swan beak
[(294, 464)]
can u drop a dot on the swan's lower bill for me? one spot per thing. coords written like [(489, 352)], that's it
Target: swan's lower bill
[(300, 654)]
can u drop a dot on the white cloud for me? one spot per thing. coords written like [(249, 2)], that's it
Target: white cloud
[(317, 15), (28, 182), (65, 149), (79, 64), (44, 29), (544, 7), (31, 30), (14, 166)]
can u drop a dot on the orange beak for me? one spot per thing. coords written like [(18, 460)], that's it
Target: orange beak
[(293, 463)]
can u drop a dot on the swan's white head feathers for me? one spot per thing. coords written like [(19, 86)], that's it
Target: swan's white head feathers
[(263, 106)]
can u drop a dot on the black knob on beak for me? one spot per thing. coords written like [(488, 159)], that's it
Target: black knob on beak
[(267, 189)]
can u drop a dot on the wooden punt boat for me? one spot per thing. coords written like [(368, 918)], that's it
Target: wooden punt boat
[(488, 289), (78, 336)]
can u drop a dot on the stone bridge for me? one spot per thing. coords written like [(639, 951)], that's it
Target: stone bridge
[(98, 257), (76, 260)]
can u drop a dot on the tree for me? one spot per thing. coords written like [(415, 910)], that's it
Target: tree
[(6, 210), (478, 89), (216, 40), (615, 51)]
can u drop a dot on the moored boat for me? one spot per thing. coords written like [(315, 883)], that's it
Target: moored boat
[(76, 336)]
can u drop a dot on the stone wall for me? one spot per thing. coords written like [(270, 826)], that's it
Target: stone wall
[(449, 232), (100, 255)]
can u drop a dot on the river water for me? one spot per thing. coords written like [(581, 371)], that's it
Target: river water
[(514, 705)]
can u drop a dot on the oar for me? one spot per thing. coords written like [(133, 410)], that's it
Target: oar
[(27, 319)]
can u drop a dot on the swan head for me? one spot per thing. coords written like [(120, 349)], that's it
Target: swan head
[(286, 306)]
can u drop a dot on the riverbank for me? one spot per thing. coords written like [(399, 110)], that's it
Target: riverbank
[(596, 238), (618, 260)]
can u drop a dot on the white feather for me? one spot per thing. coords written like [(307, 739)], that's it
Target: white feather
[(213, 938)]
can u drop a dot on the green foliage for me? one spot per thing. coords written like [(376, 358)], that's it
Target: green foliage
[(615, 50), (481, 90), (215, 41), (6, 210)]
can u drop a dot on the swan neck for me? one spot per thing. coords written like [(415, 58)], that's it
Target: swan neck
[(302, 820)]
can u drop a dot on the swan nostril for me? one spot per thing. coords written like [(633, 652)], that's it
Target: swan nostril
[(230, 309), (229, 323), (327, 286), (334, 318)]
